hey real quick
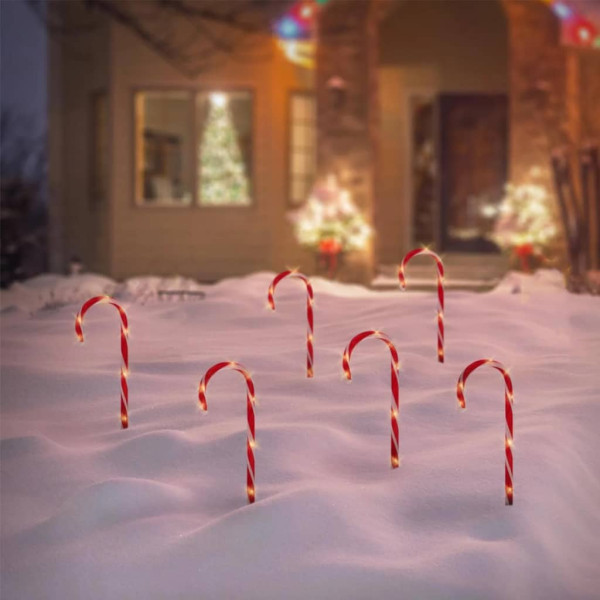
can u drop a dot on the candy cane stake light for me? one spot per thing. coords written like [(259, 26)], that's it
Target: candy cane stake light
[(309, 312), (124, 348), (395, 367), (250, 400), (508, 404), (440, 291)]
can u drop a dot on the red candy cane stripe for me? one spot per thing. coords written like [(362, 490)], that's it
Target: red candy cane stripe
[(508, 402), (309, 312), (395, 367), (124, 349), (250, 400), (440, 287)]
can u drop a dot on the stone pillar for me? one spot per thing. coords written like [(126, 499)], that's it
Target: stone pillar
[(538, 119), (346, 86)]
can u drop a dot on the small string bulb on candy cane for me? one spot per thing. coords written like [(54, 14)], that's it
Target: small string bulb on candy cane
[(124, 348), (395, 386), (440, 292), (508, 409), (309, 312), (250, 402)]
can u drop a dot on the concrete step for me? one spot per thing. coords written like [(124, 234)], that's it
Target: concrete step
[(477, 272)]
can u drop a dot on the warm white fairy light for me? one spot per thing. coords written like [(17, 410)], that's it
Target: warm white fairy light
[(330, 215), (525, 216)]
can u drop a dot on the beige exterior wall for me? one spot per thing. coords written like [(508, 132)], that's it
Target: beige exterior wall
[(426, 48), (203, 242), (79, 69)]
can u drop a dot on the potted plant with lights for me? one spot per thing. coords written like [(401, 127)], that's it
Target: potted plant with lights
[(525, 225), (331, 225)]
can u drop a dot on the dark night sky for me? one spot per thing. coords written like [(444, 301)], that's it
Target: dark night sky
[(23, 81)]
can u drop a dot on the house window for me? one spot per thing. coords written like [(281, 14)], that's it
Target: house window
[(193, 148), (99, 147), (164, 148), (302, 150), (224, 147)]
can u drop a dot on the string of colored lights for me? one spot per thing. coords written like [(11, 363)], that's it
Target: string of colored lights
[(577, 30), (296, 32)]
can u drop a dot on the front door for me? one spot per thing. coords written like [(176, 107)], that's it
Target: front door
[(472, 168)]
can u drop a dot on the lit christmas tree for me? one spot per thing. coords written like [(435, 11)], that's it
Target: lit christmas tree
[(330, 223), (223, 179), (526, 224)]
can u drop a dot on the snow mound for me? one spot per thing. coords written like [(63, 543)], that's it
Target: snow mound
[(52, 291), (159, 510)]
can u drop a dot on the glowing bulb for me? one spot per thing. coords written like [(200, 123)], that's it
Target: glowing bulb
[(306, 11), (218, 99)]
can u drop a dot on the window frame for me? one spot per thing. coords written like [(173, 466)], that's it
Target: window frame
[(193, 92), (290, 138)]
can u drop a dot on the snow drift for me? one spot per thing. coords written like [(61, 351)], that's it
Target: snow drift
[(159, 510)]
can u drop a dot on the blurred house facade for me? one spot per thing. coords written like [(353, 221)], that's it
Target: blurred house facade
[(423, 110)]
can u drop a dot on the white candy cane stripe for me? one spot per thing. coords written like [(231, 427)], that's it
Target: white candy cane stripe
[(508, 410), (440, 291), (251, 431), (124, 348), (309, 312)]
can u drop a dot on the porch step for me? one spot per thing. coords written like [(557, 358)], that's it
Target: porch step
[(475, 272)]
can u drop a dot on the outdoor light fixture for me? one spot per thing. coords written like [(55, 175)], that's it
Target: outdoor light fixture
[(337, 91)]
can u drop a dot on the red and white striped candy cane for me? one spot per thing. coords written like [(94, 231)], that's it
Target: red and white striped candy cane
[(508, 402), (250, 400), (309, 312), (440, 290), (395, 367), (124, 349)]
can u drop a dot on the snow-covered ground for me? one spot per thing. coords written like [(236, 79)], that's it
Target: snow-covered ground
[(159, 510)]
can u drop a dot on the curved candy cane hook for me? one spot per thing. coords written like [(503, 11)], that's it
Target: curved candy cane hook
[(250, 400), (309, 312), (394, 383), (508, 402), (440, 290), (124, 349)]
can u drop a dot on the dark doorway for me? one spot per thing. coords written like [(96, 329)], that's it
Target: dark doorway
[(473, 150)]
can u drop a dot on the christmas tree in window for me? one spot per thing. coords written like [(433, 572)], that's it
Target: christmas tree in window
[(223, 178)]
